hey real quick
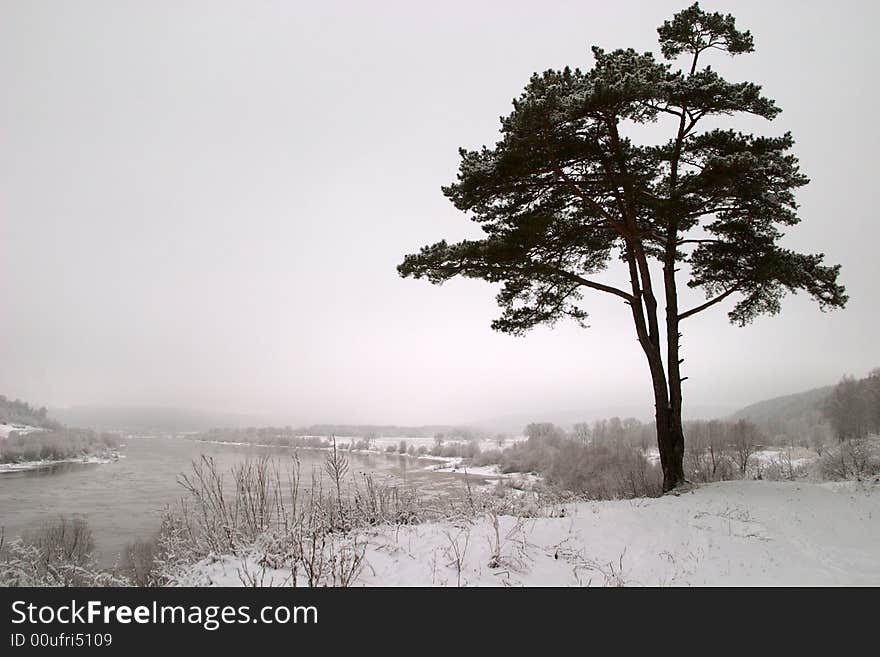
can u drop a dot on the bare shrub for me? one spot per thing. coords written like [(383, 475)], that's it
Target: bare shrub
[(457, 550), (226, 518), (375, 502), (63, 540), (138, 563), (56, 445), (783, 466), (59, 553), (262, 510), (603, 472), (851, 459), (337, 468), (346, 562), (744, 439), (266, 516), (708, 456)]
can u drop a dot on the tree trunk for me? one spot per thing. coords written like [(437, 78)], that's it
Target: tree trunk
[(667, 420), (667, 389), (674, 474), (672, 436)]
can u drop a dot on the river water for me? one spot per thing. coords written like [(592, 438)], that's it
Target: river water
[(123, 500)]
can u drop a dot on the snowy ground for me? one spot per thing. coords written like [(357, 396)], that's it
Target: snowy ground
[(493, 473), (797, 456), (727, 533), (36, 465), (6, 429)]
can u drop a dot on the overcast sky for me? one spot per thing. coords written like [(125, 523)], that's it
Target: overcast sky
[(203, 204)]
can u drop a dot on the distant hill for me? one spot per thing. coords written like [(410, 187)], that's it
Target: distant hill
[(566, 418), (163, 419), (149, 419), (799, 406)]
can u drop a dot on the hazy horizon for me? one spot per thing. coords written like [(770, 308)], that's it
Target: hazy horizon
[(202, 206), (102, 417)]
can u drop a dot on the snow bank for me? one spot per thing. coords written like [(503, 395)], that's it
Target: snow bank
[(726, 533), (6, 429), (35, 465)]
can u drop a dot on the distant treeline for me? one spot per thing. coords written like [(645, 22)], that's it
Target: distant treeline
[(853, 407), (631, 432), (56, 445), (19, 412), (148, 419), (376, 430), (368, 432)]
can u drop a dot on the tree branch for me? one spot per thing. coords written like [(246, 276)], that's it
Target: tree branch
[(664, 108), (708, 304), (587, 283), (585, 198), (549, 269), (707, 241), (712, 210)]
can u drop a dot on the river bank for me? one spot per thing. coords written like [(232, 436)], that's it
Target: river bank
[(122, 499)]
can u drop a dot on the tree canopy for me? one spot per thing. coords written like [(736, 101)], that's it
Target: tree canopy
[(564, 190)]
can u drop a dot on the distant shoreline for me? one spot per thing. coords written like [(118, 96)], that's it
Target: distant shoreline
[(92, 459), (440, 464)]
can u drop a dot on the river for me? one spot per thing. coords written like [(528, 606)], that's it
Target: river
[(122, 501)]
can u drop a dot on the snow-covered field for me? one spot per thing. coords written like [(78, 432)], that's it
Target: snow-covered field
[(727, 533)]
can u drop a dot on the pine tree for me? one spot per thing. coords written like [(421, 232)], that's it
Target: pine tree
[(564, 191)]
